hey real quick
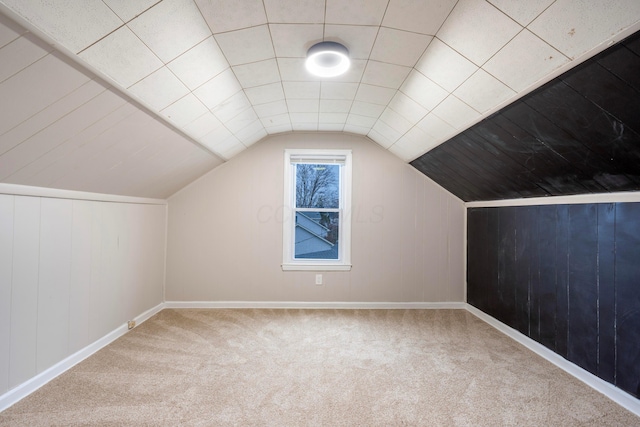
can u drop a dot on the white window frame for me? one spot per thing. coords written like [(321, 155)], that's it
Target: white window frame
[(288, 224)]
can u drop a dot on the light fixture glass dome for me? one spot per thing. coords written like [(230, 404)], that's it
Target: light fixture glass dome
[(327, 59)]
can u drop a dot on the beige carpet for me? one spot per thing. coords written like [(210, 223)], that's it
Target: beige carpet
[(315, 368)]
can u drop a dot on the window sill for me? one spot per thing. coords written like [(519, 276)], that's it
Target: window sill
[(316, 267)]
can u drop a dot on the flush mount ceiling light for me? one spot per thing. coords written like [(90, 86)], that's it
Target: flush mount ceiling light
[(327, 59)]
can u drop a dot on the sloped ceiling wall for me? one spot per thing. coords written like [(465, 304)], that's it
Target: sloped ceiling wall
[(579, 133)]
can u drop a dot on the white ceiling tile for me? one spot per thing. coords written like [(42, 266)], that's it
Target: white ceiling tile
[(9, 31), (419, 16), (159, 89), (170, 28), (247, 45), (435, 127), (575, 26), (379, 138), (30, 93), (522, 11), (358, 39), (276, 120), (353, 75), (465, 30), (271, 109), (129, 9), (123, 57), (295, 11), (330, 127), (294, 40), (361, 121), (257, 73), (524, 61), (229, 15), (335, 106), (407, 107), (232, 107), (482, 91), (412, 144), (203, 125), (367, 109), (216, 136), (75, 25), (241, 121), (455, 112), (257, 136), (264, 94), (395, 121), (303, 118), (423, 90), (358, 130), (18, 55), (386, 75), (374, 94), (338, 90), (332, 118), (185, 110), (285, 127), (219, 88), (229, 147), (302, 90), (355, 12), (303, 105), (304, 126), (445, 66), (399, 47), (199, 64), (388, 133)]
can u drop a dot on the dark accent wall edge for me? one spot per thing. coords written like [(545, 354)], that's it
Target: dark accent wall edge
[(567, 276)]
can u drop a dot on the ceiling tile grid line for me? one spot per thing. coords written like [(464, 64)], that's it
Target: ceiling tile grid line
[(226, 72)]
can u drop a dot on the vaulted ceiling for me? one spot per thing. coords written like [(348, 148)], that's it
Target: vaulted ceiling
[(140, 97)]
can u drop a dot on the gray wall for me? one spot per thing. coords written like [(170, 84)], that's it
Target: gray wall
[(225, 232)]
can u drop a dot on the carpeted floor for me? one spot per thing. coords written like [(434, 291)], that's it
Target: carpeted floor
[(315, 368)]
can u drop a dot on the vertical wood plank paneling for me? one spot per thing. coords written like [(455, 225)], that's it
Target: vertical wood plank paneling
[(628, 297), (534, 279), (24, 290), (523, 268), (493, 243), (562, 278), (476, 250), (583, 288), (506, 265), (6, 269), (606, 291), (96, 330), (547, 262), (80, 275), (53, 283)]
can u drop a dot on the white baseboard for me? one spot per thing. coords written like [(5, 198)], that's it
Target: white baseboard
[(315, 305), (619, 396), (31, 385)]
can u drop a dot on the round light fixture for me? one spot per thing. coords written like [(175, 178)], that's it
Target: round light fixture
[(327, 59)]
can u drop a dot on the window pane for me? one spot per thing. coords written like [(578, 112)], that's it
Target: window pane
[(317, 185), (316, 235)]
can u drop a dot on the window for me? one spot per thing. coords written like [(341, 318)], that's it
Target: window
[(317, 203)]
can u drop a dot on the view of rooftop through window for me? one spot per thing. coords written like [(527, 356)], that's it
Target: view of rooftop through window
[(317, 207)]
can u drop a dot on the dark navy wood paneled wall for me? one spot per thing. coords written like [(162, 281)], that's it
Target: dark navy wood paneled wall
[(567, 276), (578, 134)]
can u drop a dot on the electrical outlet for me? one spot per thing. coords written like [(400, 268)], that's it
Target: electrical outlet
[(131, 324), (318, 279)]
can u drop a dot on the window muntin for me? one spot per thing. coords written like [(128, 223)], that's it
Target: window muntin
[(317, 198)]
